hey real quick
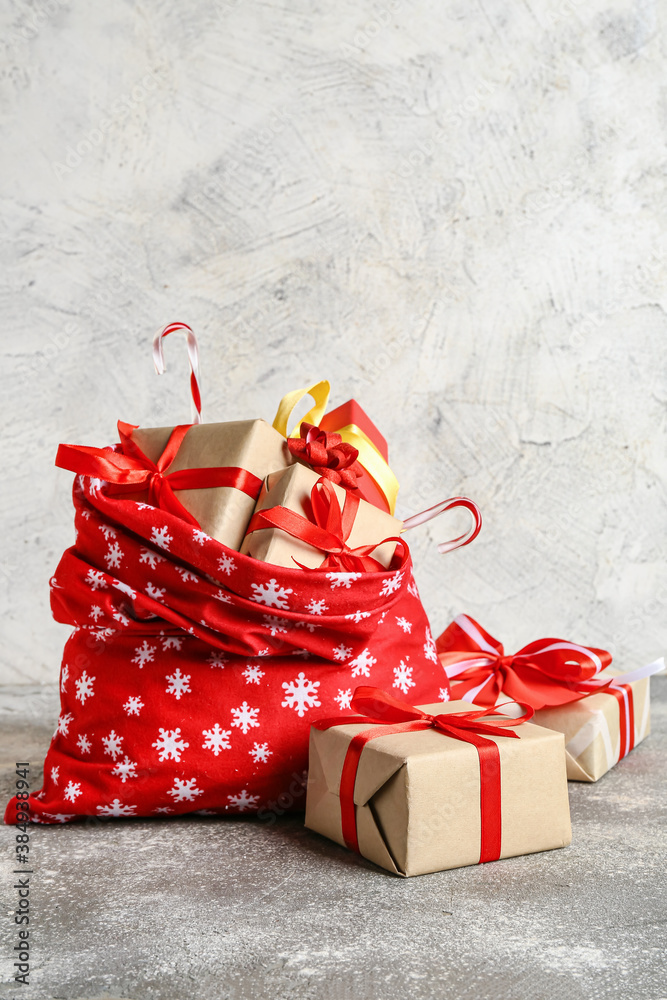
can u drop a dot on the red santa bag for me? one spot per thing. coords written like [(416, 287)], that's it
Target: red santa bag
[(193, 672)]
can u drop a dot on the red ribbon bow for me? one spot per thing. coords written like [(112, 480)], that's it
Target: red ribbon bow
[(131, 470), (389, 715), (327, 454), (545, 672), (328, 530)]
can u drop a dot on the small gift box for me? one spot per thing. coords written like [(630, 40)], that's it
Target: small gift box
[(302, 518), (602, 714), (601, 728), (436, 787), (209, 474)]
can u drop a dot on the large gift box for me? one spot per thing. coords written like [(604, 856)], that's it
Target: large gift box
[(601, 728), (210, 474), (436, 787), (316, 512)]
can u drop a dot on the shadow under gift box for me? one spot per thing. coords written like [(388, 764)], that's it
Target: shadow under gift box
[(417, 794), (600, 729), (223, 512), (292, 488)]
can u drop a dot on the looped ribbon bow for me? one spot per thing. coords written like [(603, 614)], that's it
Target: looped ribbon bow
[(130, 471), (328, 530), (389, 715), (327, 454)]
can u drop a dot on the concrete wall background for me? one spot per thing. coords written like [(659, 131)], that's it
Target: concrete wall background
[(454, 211)]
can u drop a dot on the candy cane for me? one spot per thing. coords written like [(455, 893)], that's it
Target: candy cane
[(193, 356), (440, 508)]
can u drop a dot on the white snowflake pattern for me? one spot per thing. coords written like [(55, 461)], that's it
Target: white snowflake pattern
[(252, 674), (226, 565), (104, 633), (151, 557), (178, 684), (118, 616), (124, 588), (163, 809), (260, 753), (309, 626), (112, 744), (157, 593), (344, 699), (116, 808), (96, 612), (96, 579), (245, 717), (391, 584), (171, 641), (114, 556), (271, 594), (187, 574), (84, 687), (55, 771), (342, 652), (185, 791), (170, 745), (216, 658), (430, 650), (342, 579), (216, 739), (403, 676), (56, 817), (242, 800), (412, 588), (161, 537), (64, 722), (362, 664), (64, 674), (84, 743), (275, 624), (143, 654), (133, 705), (404, 624), (357, 616), (72, 791), (444, 694), (107, 531), (301, 694), (95, 485), (199, 536), (221, 595), (125, 769), (316, 607)]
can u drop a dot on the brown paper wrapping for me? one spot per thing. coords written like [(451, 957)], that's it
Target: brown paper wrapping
[(417, 795), (291, 488), (592, 730), (222, 512)]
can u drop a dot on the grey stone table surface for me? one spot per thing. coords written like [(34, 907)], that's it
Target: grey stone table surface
[(209, 908)]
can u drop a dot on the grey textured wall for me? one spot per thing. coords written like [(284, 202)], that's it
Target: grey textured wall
[(453, 210)]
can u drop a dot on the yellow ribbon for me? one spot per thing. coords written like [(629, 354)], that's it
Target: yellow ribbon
[(369, 456)]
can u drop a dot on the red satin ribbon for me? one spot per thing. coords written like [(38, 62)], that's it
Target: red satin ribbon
[(623, 695), (545, 672), (327, 531), (388, 716), (131, 470), (327, 454)]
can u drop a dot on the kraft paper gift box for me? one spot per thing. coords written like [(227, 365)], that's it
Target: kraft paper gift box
[(601, 729), (291, 488), (417, 794), (223, 512)]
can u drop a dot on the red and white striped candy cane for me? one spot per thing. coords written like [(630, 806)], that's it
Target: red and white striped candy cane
[(193, 356), (440, 508)]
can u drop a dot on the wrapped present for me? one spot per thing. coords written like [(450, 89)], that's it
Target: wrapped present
[(602, 728), (436, 787), (345, 440), (208, 474), (304, 519), (602, 714)]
